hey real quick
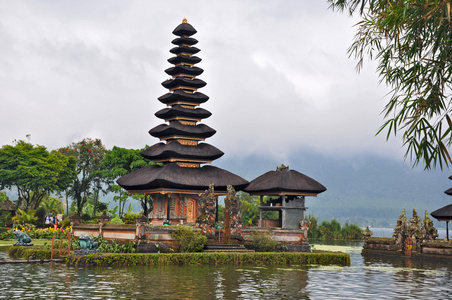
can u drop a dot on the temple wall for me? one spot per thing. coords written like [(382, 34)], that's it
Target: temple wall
[(425, 249), (285, 236)]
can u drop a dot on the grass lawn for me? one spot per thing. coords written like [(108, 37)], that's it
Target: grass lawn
[(7, 243)]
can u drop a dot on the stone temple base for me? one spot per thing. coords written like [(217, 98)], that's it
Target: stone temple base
[(82, 252), (23, 244)]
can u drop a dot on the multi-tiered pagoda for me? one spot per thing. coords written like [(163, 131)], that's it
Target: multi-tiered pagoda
[(177, 185)]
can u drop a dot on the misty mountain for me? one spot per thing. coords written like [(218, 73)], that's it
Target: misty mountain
[(364, 189)]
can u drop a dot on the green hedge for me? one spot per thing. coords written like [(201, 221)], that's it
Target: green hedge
[(24, 252), (252, 258)]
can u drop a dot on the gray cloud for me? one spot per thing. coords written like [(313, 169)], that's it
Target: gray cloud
[(278, 74)]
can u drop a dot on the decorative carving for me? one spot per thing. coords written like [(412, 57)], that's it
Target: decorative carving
[(415, 225), (235, 213), (206, 212), (304, 227), (401, 229), (429, 231)]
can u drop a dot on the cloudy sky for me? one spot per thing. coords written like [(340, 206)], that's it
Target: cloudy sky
[(277, 72)]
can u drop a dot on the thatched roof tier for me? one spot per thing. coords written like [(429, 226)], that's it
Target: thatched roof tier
[(184, 29), (173, 178), (176, 151), (181, 70), (448, 192), (177, 111), (7, 205), (183, 82), (284, 182), (180, 96), (191, 60), (443, 214), (176, 128), (184, 41), (184, 49)]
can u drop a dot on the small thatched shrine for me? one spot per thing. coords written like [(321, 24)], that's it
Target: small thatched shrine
[(177, 184), (291, 188)]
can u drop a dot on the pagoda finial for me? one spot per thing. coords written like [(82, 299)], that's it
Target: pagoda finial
[(184, 20)]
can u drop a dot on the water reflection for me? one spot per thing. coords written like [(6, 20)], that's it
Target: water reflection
[(368, 277)]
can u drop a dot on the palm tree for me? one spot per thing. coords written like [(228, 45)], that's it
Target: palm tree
[(24, 219)]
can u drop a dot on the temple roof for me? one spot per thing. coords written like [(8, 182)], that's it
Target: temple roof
[(184, 29), (7, 205), (184, 41), (175, 149), (184, 59), (443, 214), (184, 69), (184, 49), (284, 182), (184, 82), (180, 96), (179, 111), (176, 128), (154, 179)]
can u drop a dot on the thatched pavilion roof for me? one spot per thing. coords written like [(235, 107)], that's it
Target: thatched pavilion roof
[(443, 214), (173, 178), (7, 205), (284, 182)]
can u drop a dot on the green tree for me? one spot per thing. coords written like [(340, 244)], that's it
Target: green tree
[(34, 172), (3, 197), (25, 219), (52, 205), (119, 162), (411, 41), (88, 154)]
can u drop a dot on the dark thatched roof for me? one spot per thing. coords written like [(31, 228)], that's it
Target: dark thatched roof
[(181, 81), (284, 182), (443, 214), (202, 151), (184, 49), (181, 96), (179, 111), (184, 40), (184, 29), (184, 59), (448, 192), (183, 69), (176, 128), (7, 205), (173, 176)]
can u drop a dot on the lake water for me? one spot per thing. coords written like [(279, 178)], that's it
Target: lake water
[(366, 278)]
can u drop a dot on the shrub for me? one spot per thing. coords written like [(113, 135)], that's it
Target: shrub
[(351, 232), (262, 242), (114, 246), (116, 220), (86, 217), (64, 224), (189, 241)]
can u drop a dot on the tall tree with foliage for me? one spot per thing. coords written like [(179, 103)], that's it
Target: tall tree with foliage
[(119, 162), (34, 172), (89, 155), (412, 43)]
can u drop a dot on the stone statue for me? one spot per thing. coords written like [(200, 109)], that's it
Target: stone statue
[(304, 227), (206, 212), (415, 225), (429, 231), (401, 229), (87, 242), (235, 213), (22, 238), (367, 233)]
